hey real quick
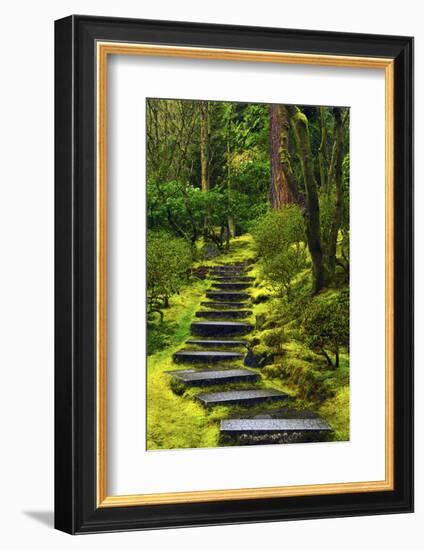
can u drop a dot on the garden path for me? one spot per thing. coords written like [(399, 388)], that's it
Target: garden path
[(210, 359)]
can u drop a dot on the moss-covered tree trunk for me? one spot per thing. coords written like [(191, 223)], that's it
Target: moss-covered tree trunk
[(204, 145), (336, 175), (337, 365), (322, 152), (300, 127), (230, 220), (284, 156), (279, 192)]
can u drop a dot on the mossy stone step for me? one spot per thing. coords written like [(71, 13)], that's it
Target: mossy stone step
[(231, 286), (190, 356), (235, 279), (241, 397), (225, 270), (227, 296), (273, 425), (228, 271), (219, 328), (237, 265), (225, 314), (223, 305), (218, 343), (213, 377)]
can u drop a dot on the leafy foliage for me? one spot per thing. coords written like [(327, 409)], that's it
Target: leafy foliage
[(326, 326), (279, 236), (168, 261)]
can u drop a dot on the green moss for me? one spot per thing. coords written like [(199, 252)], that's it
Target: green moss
[(260, 348), (336, 412), (301, 117)]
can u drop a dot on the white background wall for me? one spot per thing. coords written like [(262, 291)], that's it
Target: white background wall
[(26, 272)]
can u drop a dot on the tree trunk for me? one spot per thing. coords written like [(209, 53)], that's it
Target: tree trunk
[(312, 213), (322, 152), (295, 193), (327, 357), (279, 192), (337, 175), (230, 220), (204, 145)]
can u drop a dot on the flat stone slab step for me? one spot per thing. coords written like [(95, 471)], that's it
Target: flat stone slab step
[(235, 279), (231, 286), (241, 397), (273, 425), (227, 296), (219, 328), (223, 305), (228, 270), (225, 314), (229, 266), (218, 343), (189, 356), (236, 264), (200, 378)]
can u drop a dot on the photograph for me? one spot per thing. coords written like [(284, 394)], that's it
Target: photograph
[(247, 273)]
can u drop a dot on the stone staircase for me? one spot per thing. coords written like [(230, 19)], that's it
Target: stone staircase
[(227, 316)]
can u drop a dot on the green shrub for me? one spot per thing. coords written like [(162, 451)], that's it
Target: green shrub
[(168, 262), (278, 228), (279, 236), (326, 326), (159, 336)]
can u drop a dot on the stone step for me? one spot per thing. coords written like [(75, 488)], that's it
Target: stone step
[(224, 305), (229, 266), (231, 286), (227, 278), (228, 274), (235, 264), (219, 328), (273, 425), (228, 270), (241, 397), (225, 314), (190, 356), (218, 343), (205, 377), (227, 296)]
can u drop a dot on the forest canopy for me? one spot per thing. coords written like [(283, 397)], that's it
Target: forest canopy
[(215, 169)]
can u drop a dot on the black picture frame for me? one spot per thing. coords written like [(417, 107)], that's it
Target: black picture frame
[(76, 510)]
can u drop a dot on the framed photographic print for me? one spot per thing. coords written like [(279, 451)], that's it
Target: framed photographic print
[(234, 274)]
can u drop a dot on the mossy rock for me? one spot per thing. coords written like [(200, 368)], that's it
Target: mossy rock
[(258, 360), (178, 387), (260, 297)]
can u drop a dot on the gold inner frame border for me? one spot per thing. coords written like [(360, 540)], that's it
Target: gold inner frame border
[(103, 50)]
